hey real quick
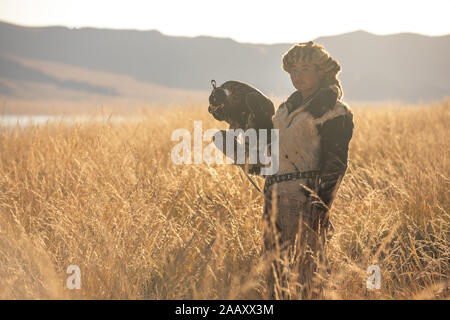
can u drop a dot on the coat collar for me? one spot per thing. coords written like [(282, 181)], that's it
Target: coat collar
[(297, 100)]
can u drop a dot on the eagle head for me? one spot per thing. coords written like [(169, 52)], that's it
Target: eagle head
[(217, 101)]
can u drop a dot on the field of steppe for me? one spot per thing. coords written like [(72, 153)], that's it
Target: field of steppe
[(105, 196)]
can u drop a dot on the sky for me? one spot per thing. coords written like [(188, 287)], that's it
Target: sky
[(242, 20)]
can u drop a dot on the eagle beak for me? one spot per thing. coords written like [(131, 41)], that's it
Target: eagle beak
[(212, 109)]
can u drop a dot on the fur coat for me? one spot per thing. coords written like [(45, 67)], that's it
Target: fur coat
[(314, 134)]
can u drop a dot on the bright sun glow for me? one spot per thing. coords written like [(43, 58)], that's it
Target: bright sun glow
[(246, 21)]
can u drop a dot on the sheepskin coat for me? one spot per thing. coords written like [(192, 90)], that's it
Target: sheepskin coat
[(310, 138)]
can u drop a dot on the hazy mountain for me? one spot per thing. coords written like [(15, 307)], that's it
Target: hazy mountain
[(399, 66)]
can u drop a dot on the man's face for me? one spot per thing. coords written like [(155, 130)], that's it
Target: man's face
[(305, 76)]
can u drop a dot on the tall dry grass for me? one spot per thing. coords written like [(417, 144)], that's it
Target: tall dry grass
[(108, 198)]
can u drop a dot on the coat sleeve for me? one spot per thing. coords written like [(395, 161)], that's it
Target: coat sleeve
[(335, 134)]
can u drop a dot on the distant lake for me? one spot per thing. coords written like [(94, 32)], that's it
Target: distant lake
[(12, 120)]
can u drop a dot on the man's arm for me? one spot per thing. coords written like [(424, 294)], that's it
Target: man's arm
[(335, 136)]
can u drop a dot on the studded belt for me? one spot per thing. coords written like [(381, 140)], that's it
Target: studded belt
[(270, 180)]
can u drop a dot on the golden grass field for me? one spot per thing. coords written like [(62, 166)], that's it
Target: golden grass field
[(108, 198)]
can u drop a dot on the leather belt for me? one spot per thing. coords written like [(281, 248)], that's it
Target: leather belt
[(270, 180)]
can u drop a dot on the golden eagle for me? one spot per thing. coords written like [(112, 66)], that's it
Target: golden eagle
[(242, 107)]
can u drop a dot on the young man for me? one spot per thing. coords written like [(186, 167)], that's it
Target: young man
[(315, 129)]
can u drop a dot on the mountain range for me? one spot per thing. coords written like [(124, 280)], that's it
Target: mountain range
[(148, 65)]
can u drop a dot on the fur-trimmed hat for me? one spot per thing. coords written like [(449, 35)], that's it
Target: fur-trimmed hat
[(316, 54)]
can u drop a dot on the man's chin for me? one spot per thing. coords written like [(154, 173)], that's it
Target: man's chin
[(300, 88)]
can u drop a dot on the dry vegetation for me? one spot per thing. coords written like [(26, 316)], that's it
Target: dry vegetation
[(108, 198)]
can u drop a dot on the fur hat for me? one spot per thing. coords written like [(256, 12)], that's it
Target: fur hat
[(316, 54)]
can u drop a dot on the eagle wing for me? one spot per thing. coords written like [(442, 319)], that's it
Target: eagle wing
[(262, 109)]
